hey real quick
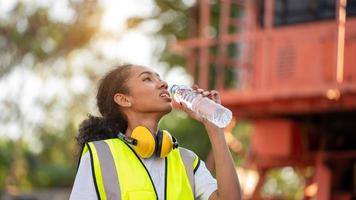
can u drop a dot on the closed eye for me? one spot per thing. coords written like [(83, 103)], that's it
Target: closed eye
[(147, 79)]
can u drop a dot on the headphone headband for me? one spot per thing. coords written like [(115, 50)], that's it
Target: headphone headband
[(129, 140)]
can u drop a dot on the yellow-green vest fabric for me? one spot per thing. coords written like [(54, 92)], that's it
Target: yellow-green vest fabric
[(119, 173)]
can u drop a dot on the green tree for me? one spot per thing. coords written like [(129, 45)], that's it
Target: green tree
[(33, 41), (35, 34)]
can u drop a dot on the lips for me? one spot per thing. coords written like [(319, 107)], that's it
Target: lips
[(165, 95)]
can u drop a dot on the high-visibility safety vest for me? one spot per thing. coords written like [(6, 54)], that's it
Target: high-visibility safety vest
[(119, 174)]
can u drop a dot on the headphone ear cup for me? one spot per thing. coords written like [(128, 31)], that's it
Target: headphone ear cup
[(146, 143), (167, 144)]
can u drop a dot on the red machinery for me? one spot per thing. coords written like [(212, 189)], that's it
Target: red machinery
[(296, 81)]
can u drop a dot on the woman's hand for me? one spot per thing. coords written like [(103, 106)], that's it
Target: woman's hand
[(213, 95), (227, 179)]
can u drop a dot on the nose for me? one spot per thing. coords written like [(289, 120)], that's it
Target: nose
[(163, 84)]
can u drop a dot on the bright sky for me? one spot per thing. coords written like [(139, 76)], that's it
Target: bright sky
[(135, 46)]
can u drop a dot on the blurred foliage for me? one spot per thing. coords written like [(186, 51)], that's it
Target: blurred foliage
[(54, 166), (179, 20), (36, 35), (283, 183), (242, 132), (6, 147), (173, 17), (34, 42)]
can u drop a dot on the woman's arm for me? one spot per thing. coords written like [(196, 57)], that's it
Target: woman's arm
[(228, 182), (83, 187)]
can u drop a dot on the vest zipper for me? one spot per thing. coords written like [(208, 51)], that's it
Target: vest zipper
[(154, 188)]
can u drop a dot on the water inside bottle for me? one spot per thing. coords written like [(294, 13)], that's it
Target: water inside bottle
[(206, 108)]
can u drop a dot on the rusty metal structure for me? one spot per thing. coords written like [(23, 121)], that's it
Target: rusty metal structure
[(293, 75)]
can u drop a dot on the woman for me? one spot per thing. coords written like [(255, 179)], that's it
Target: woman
[(126, 156)]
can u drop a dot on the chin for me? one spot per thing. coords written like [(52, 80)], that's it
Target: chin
[(167, 109)]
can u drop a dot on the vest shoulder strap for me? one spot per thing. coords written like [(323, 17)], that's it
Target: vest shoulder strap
[(191, 163), (84, 149), (106, 184)]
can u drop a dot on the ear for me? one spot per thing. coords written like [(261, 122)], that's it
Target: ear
[(122, 100)]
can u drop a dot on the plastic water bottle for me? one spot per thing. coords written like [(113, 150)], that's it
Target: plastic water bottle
[(205, 107)]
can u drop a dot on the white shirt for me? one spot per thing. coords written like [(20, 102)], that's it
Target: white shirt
[(84, 188)]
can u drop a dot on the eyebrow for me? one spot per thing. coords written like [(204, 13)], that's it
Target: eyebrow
[(148, 72)]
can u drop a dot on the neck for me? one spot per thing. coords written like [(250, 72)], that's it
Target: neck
[(149, 121)]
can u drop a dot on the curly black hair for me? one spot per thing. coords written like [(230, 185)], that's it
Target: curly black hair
[(112, 120)]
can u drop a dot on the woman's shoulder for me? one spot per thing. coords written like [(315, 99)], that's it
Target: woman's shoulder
[(189, 157), (188, 152), (87, 147)]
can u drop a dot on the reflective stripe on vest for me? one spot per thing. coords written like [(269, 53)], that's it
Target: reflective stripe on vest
[(114, 162), (188, 159)]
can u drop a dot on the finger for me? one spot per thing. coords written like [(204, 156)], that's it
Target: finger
[(214, 95), (195, 87), (200, 91), (205, 93)]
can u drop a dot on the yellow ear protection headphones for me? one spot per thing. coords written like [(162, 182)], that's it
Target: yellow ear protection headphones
[(145, 144)]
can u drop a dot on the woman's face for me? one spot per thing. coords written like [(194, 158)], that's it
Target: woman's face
[(147, 92)]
